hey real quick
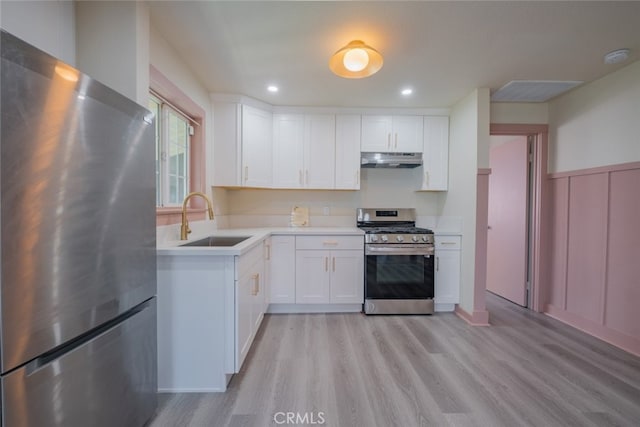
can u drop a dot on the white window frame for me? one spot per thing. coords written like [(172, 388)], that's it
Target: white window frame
[(163, 196)]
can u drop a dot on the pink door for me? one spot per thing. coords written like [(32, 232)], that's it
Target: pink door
[(507, 234)]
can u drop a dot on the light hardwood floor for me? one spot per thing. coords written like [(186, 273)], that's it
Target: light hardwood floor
[(354, 370)]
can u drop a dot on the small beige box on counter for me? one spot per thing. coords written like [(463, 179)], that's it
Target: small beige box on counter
[(299, 216)]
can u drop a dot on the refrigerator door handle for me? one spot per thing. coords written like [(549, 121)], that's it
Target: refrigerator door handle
[(47, 358)]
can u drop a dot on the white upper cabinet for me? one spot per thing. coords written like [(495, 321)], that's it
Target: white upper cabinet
[(435, 156), (288, 157), (242, 146), (319, 151), (348, 151), (389, 134), (257, 167), (376, 134), (227, 144), (304, 151)]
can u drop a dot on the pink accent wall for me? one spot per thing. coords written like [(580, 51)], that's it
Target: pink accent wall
[(622, 303), (594, 263)]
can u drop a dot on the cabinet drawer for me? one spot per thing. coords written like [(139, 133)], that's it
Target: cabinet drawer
[(448, 242), (330, 242), (247, 260)]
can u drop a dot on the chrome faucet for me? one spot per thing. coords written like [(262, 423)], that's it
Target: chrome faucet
[(184, 228)]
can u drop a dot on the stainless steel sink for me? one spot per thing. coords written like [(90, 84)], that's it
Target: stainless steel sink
[(212, 241)]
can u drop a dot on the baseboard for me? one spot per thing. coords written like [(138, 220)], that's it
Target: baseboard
[(191, 390), (478, 318), (314, 308), (621, 340)]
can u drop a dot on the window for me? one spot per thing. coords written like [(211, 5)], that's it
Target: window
[(173, 146)]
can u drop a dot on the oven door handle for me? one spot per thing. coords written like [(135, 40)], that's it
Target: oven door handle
[(386, 250)]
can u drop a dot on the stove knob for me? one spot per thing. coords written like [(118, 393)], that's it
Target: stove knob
[(414, 238), (374, 238), (424, 238), (400, 239), (384, 239)]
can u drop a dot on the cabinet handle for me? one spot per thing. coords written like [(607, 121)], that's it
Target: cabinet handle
[(330, 242), (300, 177), (334, 264), (256, 286), (357, 177), (246, 173), (268, 254), (448, 243), (326, 264), (426, 178), (389, 140), (396, 146), (437, 263), (306, 174)]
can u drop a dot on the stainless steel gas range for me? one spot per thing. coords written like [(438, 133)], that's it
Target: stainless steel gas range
[(399, 262)]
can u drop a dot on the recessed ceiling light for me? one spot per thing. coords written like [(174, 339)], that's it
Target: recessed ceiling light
[(616, 56), (407, 91), (272, 88)]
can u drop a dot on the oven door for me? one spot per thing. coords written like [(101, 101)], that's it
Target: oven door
[(399, 272)]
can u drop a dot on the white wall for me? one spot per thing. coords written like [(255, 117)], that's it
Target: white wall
[(597, 124), (520, 112), (48, 25), (468, 145), (113, 45)]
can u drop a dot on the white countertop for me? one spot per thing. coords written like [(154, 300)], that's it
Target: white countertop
[(256, 235)]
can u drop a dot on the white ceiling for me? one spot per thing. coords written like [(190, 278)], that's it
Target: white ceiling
[(443, 50)]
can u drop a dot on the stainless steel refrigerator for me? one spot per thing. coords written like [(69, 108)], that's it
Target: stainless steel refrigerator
[(78, 248)]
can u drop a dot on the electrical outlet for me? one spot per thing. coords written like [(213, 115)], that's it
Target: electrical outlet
[(326, 211)]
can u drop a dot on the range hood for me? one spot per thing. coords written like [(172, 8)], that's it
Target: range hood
[(391, 160)]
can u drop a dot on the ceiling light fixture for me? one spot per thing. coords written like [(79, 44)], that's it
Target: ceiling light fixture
[(616, 56), (407, 91), (272, 88), (356, 60)]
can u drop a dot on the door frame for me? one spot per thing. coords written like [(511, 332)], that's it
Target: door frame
[(539, 203)]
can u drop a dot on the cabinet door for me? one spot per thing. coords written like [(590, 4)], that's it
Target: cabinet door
[(288, 143), (257, 135), (282, 278), (312, 277), (376, 134), (244, 302), (407, 134), (348, 152), (435, 157), (227, 144), (266, 282), (447, 277), (257, 301), (347, 277), (320, 151)]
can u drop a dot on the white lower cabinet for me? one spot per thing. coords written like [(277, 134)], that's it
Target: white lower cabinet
[(347, 277), (329, 270), (447, 272), (282, 271), (250, 301), (209, 310)]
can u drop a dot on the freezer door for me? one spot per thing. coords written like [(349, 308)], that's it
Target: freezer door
[(108, 381), (77, 203)]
